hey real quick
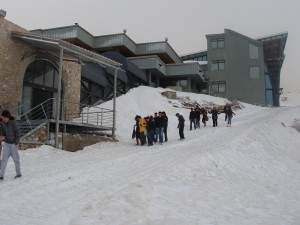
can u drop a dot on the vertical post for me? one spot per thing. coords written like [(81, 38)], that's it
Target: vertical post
[(102, 117), (149, 78), (114, 105), (58, 96)]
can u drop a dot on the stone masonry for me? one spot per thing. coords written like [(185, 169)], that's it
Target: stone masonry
[(15, 57)]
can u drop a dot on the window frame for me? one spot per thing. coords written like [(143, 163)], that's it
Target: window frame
[(254, 75), (218, 63), (216, 43), (218, 84)]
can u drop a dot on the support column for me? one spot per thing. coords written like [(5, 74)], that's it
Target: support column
[(58, 100), (150, 78), (189, 84), (114, 104)]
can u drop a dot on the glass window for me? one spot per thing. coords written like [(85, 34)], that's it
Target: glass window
[(90, 92), (214, 88), (218, 87), (218, 43), (27, 98), (221, 43), (49, 78), (221, 65), (39, 80), (218, 65), (254, 72), (214, 66), (181, 83), (42, 73), (214, 43), (253, 51), (29, 75), (222, 87)]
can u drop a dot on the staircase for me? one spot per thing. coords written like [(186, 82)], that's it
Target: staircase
[(75, 117), (29, 127), (35, 118)]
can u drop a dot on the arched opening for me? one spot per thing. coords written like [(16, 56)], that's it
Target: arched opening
[(40, 84)]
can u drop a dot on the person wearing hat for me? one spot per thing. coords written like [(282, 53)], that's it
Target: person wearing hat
[(10, 136)]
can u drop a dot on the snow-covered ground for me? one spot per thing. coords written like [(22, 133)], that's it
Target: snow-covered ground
[(290, 99), (247, 174)]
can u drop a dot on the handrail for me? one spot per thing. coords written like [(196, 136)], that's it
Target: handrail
[(73, 112), (99, 118)]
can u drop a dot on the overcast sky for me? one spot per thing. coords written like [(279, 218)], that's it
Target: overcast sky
[(185, 23)]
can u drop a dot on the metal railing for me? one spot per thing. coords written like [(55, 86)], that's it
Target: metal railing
[(91, 115), (75, 113)]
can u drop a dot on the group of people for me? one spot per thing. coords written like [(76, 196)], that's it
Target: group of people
[(196, 113), (153, 129), (9, 140)]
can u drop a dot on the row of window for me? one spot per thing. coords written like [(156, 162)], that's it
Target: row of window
[(220, 65), (199, 59), (220, 43)]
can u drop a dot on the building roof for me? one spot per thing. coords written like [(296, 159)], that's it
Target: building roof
[(53, 46), (126, 64), (274, 46), (118, 42)]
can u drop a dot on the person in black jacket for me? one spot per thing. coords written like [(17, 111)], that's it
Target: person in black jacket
[(192, 118), (180, 125), (225, 110), (11, 136), (159, 123), (137, 129), (150, 130), (230, 114), (214, 112), (198, 115), (165, 119)]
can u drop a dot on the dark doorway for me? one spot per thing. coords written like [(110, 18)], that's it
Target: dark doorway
[(46, 99)]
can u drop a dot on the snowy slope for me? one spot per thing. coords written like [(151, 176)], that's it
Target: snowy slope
[(247, 174), (290, 99)]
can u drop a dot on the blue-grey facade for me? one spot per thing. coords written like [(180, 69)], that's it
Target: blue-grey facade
[(242, 68)]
